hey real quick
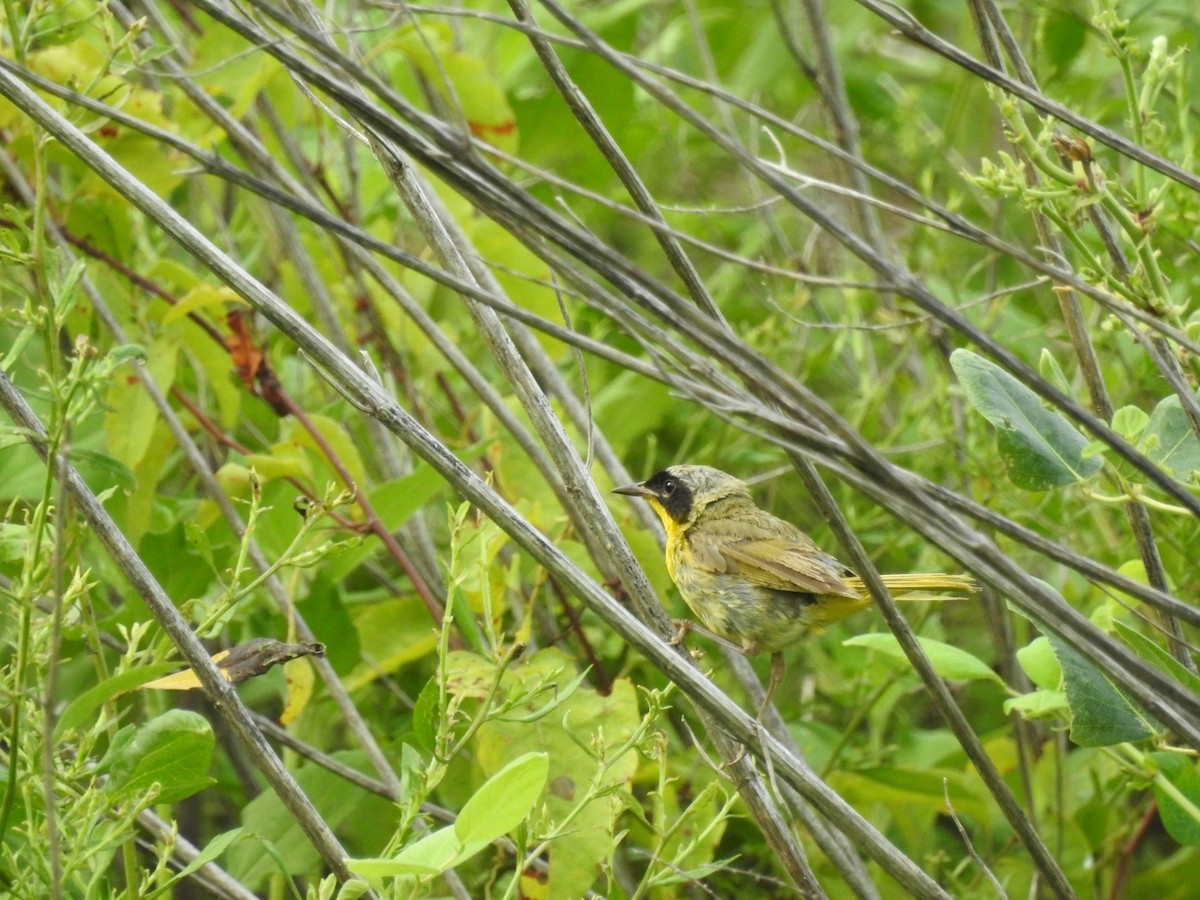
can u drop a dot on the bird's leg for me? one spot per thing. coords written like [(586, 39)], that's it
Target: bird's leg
[(760, 727), (776, 677), (683, 626)]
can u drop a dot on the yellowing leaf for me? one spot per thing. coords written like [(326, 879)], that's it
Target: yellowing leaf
[(286, 459), (181, 681), (300, 679), (234, 478), (469, 674), (140, 503), (564, 732), (73, 64), (131, 417), (202, 296), (339, 440), (391, 635)]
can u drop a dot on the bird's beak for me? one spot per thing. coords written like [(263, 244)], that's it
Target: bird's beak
[(634, 490)]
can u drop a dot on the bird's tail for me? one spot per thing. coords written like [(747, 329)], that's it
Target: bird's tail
[(917, 585)]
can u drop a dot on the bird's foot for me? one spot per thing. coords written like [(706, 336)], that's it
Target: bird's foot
[(682, 627)]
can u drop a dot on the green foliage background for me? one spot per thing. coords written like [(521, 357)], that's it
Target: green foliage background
[(477, 727)]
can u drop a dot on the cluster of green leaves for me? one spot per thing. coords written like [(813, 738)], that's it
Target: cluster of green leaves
[(565, 759)]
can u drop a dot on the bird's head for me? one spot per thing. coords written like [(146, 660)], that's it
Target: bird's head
[(679, 494)]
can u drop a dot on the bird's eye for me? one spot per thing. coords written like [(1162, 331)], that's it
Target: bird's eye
[(669, 487)]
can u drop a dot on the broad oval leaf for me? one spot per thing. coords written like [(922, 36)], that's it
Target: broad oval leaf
[(948, 661), (1129, 422), (1101, 715), (173, 750), (505, 800), (1170, 441), (1040, 448), (1038, 661), (131, 414), (1177, 791), (275, 840)]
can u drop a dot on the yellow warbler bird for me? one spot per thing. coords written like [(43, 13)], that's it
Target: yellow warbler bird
[(756, 582)]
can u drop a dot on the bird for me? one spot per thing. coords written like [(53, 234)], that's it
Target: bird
[(756, 582)]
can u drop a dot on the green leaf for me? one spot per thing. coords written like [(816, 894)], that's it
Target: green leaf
[(1040, 448), (570, 737), (286, 459), (202, 297), (81, 709), (211, 851), (125, 352), (560, 696), (425, 715), (197, 541), (465, 78), (629, 421), (100, 468), (504, 801), (948, 661), (1129, 422), (1063, 37), (398, 500), (1100, 714), (131, 416), (336, 436), (227, 70), (500, 805), (1039, 705), (173, 751), (391, 634), (14, 540), (1049, 369), (1170, 441), (696, 833), (1135, 570), (210, 362), (1038, 661), (268, 857), (1179, 797), (914, 790), (1148, 650), (347, 890), (282, 845), (432, 855)]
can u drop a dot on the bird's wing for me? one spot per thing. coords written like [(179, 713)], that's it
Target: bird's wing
[(787, 565)]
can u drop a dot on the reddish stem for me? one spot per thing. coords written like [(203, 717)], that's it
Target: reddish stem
[(374, 524), (1125, 856)]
